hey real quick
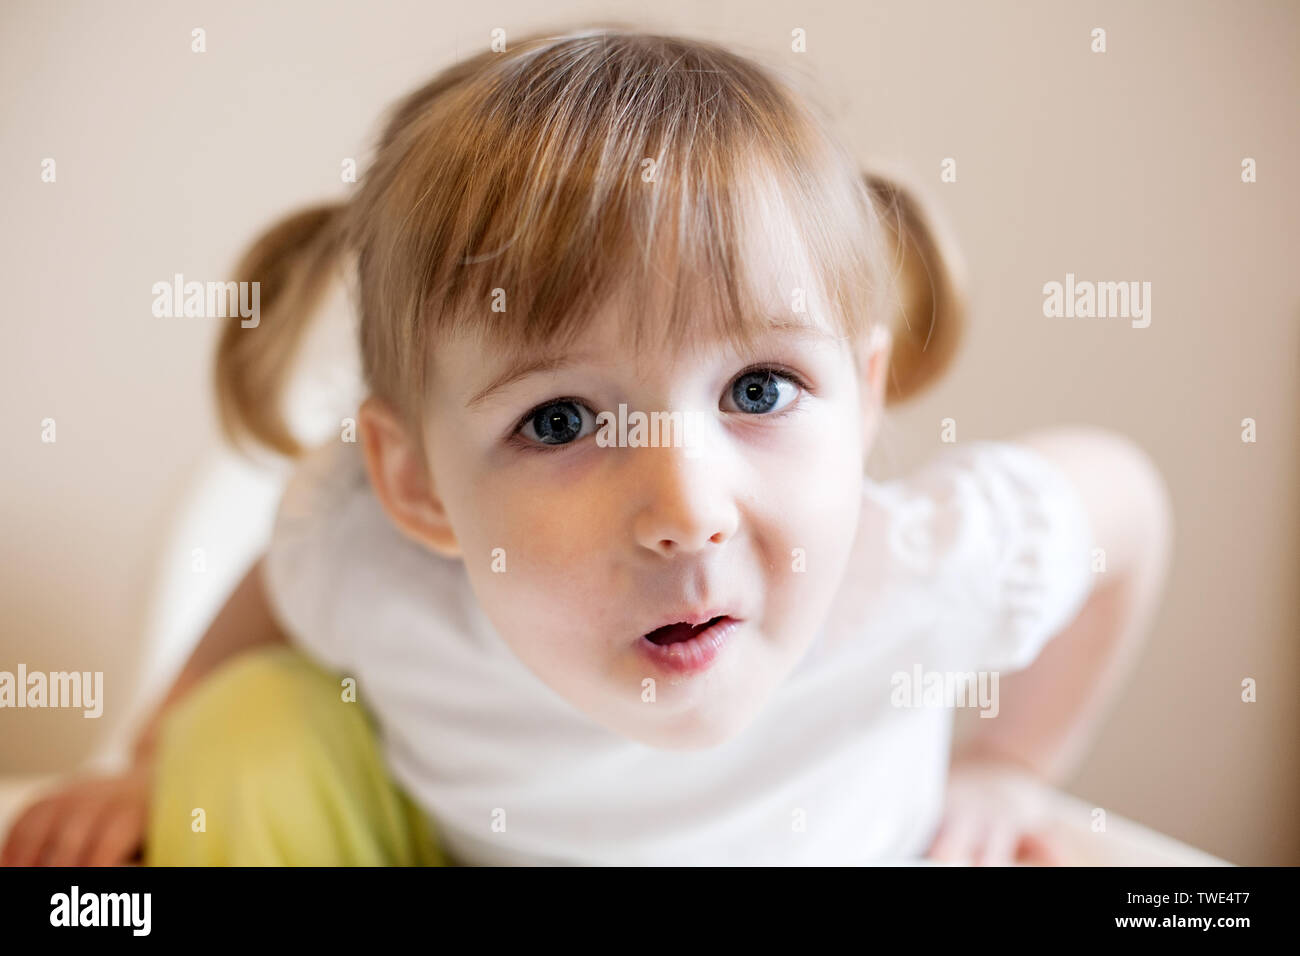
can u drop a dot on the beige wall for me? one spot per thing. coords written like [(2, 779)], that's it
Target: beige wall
[(1115, 166)]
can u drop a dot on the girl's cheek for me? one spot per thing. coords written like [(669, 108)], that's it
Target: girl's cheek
[(813, 510), (818, 436), (541, 531)]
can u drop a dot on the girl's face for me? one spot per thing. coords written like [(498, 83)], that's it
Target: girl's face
[(578, 546), (581, 537)]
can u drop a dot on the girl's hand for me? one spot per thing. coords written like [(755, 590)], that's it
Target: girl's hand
[(97, 821), (995, 814)]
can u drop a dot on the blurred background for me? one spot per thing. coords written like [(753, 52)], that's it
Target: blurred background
[(122, 536)]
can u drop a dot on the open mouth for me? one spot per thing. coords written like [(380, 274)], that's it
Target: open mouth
[(681, 631)]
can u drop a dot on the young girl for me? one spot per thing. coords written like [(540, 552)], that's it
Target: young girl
[(509, 626)]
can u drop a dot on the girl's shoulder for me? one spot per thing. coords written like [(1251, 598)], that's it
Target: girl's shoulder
[(338, 573), (993, 543)]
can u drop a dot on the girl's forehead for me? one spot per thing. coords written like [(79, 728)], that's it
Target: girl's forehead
[(670, 303), (640, 324), (683, 306)]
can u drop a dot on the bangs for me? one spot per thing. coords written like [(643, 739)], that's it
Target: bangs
[(676, 181), (686, 267)]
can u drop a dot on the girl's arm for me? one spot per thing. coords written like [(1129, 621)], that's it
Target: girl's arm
[(1049, 711), (244, 622)]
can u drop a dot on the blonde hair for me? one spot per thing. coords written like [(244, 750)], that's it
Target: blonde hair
[(524, 173)]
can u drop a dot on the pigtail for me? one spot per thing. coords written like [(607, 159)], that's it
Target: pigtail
[(929, 277), (293, 263)]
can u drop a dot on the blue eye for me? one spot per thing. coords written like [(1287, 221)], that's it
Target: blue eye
[(556, 423), (762, 391)]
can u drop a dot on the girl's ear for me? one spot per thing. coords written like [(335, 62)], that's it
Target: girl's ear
[(880, 347), (874, 369), (401, 481)]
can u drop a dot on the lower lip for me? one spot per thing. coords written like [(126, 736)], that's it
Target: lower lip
[(694, 655)]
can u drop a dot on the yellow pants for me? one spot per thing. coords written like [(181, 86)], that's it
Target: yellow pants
[(266, 764)]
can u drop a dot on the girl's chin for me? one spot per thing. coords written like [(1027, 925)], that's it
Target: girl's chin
[(681, 721)]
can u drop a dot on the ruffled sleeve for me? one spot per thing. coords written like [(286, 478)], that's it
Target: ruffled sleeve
[(1002, 542)]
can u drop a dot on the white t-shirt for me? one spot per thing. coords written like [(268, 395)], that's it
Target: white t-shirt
[(970, 564)]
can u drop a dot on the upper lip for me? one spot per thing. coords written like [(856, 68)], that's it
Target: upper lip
[(693, 616)]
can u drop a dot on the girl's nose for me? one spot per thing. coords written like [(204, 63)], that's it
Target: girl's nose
[(684, 502)]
